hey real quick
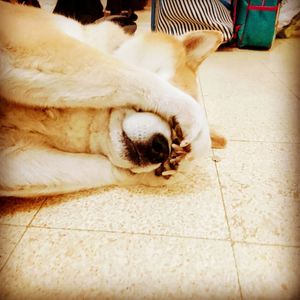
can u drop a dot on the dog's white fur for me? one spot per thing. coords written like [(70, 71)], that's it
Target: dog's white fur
[(67, 88)]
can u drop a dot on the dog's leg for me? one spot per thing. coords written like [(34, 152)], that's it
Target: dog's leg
[(29, 172), (42, 66), (100, 84)]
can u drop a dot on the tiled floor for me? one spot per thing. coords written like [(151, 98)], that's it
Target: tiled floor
[(230, 231)]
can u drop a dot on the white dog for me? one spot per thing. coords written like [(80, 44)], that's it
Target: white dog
[(88, 106)]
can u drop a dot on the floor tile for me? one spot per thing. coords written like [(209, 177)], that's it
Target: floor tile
[(291, 81), (58, 264), (282, 57), (294, 42), (245, 61), (9, 237), (250, 108), (260, 183), (235, 60), (285, 57), (268, 272), (18, 211), (192, 208)]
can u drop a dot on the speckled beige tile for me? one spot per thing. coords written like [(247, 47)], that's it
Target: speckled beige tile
[(291, 81), (260, 183), (294, 42), (192, 208), (231, 59), (68, 264), (253, 106), (268, 272), (285, 57), (17, 211), (9, 237), (282, 57)]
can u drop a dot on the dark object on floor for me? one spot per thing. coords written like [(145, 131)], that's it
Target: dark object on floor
[(139, 4), (116, 6), (124, 21), (90, 11), (122, 13), (34, 3), (84, 11)]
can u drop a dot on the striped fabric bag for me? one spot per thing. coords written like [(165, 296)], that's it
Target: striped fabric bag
[(180, 16)]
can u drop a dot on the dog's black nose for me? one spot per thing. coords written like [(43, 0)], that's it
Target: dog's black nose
[(158, 151), (151, 151)]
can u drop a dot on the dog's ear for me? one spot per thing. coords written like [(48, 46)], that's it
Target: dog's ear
[(199, 45)]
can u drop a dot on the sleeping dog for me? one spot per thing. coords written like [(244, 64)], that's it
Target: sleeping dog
[(84, 106)]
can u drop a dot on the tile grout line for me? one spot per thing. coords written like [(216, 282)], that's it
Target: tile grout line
[(222, 197), (12, 251), (155, 235), (237, 269), (283, 84), (265, 244), (22, 235), (264, 142), (280, 81), (229, 230), (132, 233), (37, 211)]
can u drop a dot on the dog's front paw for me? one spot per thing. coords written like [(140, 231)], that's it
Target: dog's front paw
[(190, 135), (192, 120), (189, 114)]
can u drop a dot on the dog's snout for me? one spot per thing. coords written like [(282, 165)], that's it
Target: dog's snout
[(159, 149), (151, 151), (146, 139)]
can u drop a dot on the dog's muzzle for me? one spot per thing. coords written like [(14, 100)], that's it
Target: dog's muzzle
[(141, 141), (147, 138)]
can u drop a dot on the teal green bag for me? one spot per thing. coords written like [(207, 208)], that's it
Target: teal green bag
[(255, 22)]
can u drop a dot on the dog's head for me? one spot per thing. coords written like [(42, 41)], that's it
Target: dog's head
[(174, 59), (141, 141)]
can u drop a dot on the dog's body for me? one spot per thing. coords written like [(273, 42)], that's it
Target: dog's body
[(70, 109)]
